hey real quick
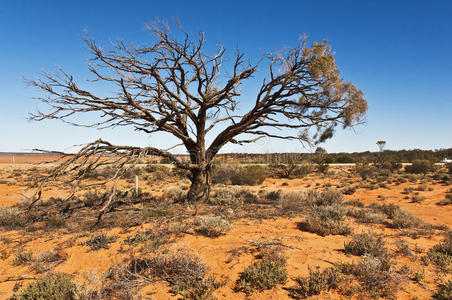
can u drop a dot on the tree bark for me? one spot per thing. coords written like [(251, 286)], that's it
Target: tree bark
[(200, 186)]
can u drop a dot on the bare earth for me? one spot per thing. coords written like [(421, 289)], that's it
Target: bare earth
[(302, 249)]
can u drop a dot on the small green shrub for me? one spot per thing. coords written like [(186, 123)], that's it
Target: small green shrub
[(446, 201), (445, 291), (55, 287), (22, 257), (263, 275), (355, 203), (404, 219), (99, 241), (232, 196), (417, 199), (327, 220), (317, 281), (11, 218), (366, 243), (292, 202), (328, 197), (366, 216), (212, 226), (376, 277), (175, 194), (441, 254)]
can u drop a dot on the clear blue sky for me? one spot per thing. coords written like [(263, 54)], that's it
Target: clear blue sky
[(398, 52)]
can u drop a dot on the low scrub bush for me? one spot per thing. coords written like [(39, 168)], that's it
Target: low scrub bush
[(446, 201), (263, 275), (328, 197), (239, 175), (404, 219), (22, 257), (366, 216), (417, 199), (355, 203), (441, 254), (100, 241), (11, 218), (327, 220), (185, 273), (317, 282), (445, 291), (232, 196), (366, 243), (53, 286), (292, 202), (175, 194), (212, 226), (376, 277)]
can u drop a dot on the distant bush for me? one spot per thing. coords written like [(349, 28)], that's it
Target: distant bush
[(232, 196), (212, 226), (54, 286), (327, 220), (404, 219), (400, 218), (175, 194), (238, 175), (366, 243), (449, 167), (11, 218), (419, 167), (417, 199), (366, 216), (263, 275), (292, 202), (365, 170), (446, 201), (328, 197)]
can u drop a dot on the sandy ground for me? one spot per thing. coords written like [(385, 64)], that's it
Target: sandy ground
[(302, 249)]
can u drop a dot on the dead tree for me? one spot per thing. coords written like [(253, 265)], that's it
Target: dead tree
[(174, 86)]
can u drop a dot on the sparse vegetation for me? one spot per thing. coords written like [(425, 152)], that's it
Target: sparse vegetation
[(53, 286), (263, 275), (212, 226), (326, 220), (100, 241)]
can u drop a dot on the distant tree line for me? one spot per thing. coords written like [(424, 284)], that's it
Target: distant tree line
[(401, 156)]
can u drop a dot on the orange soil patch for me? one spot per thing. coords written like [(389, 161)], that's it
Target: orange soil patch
[(302, 249)]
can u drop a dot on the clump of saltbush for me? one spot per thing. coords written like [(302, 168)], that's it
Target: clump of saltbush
[(263, 275), (238, 175), (366, 243), (441, 254), (53, 286), (100, 241), (175, 194), (212, 226), (327, 220), (330, 278), (10, 218), (232, 196)]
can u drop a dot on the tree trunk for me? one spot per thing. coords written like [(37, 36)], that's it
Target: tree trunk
[(200, 186)]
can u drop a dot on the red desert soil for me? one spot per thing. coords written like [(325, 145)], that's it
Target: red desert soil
[(302, 249)]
